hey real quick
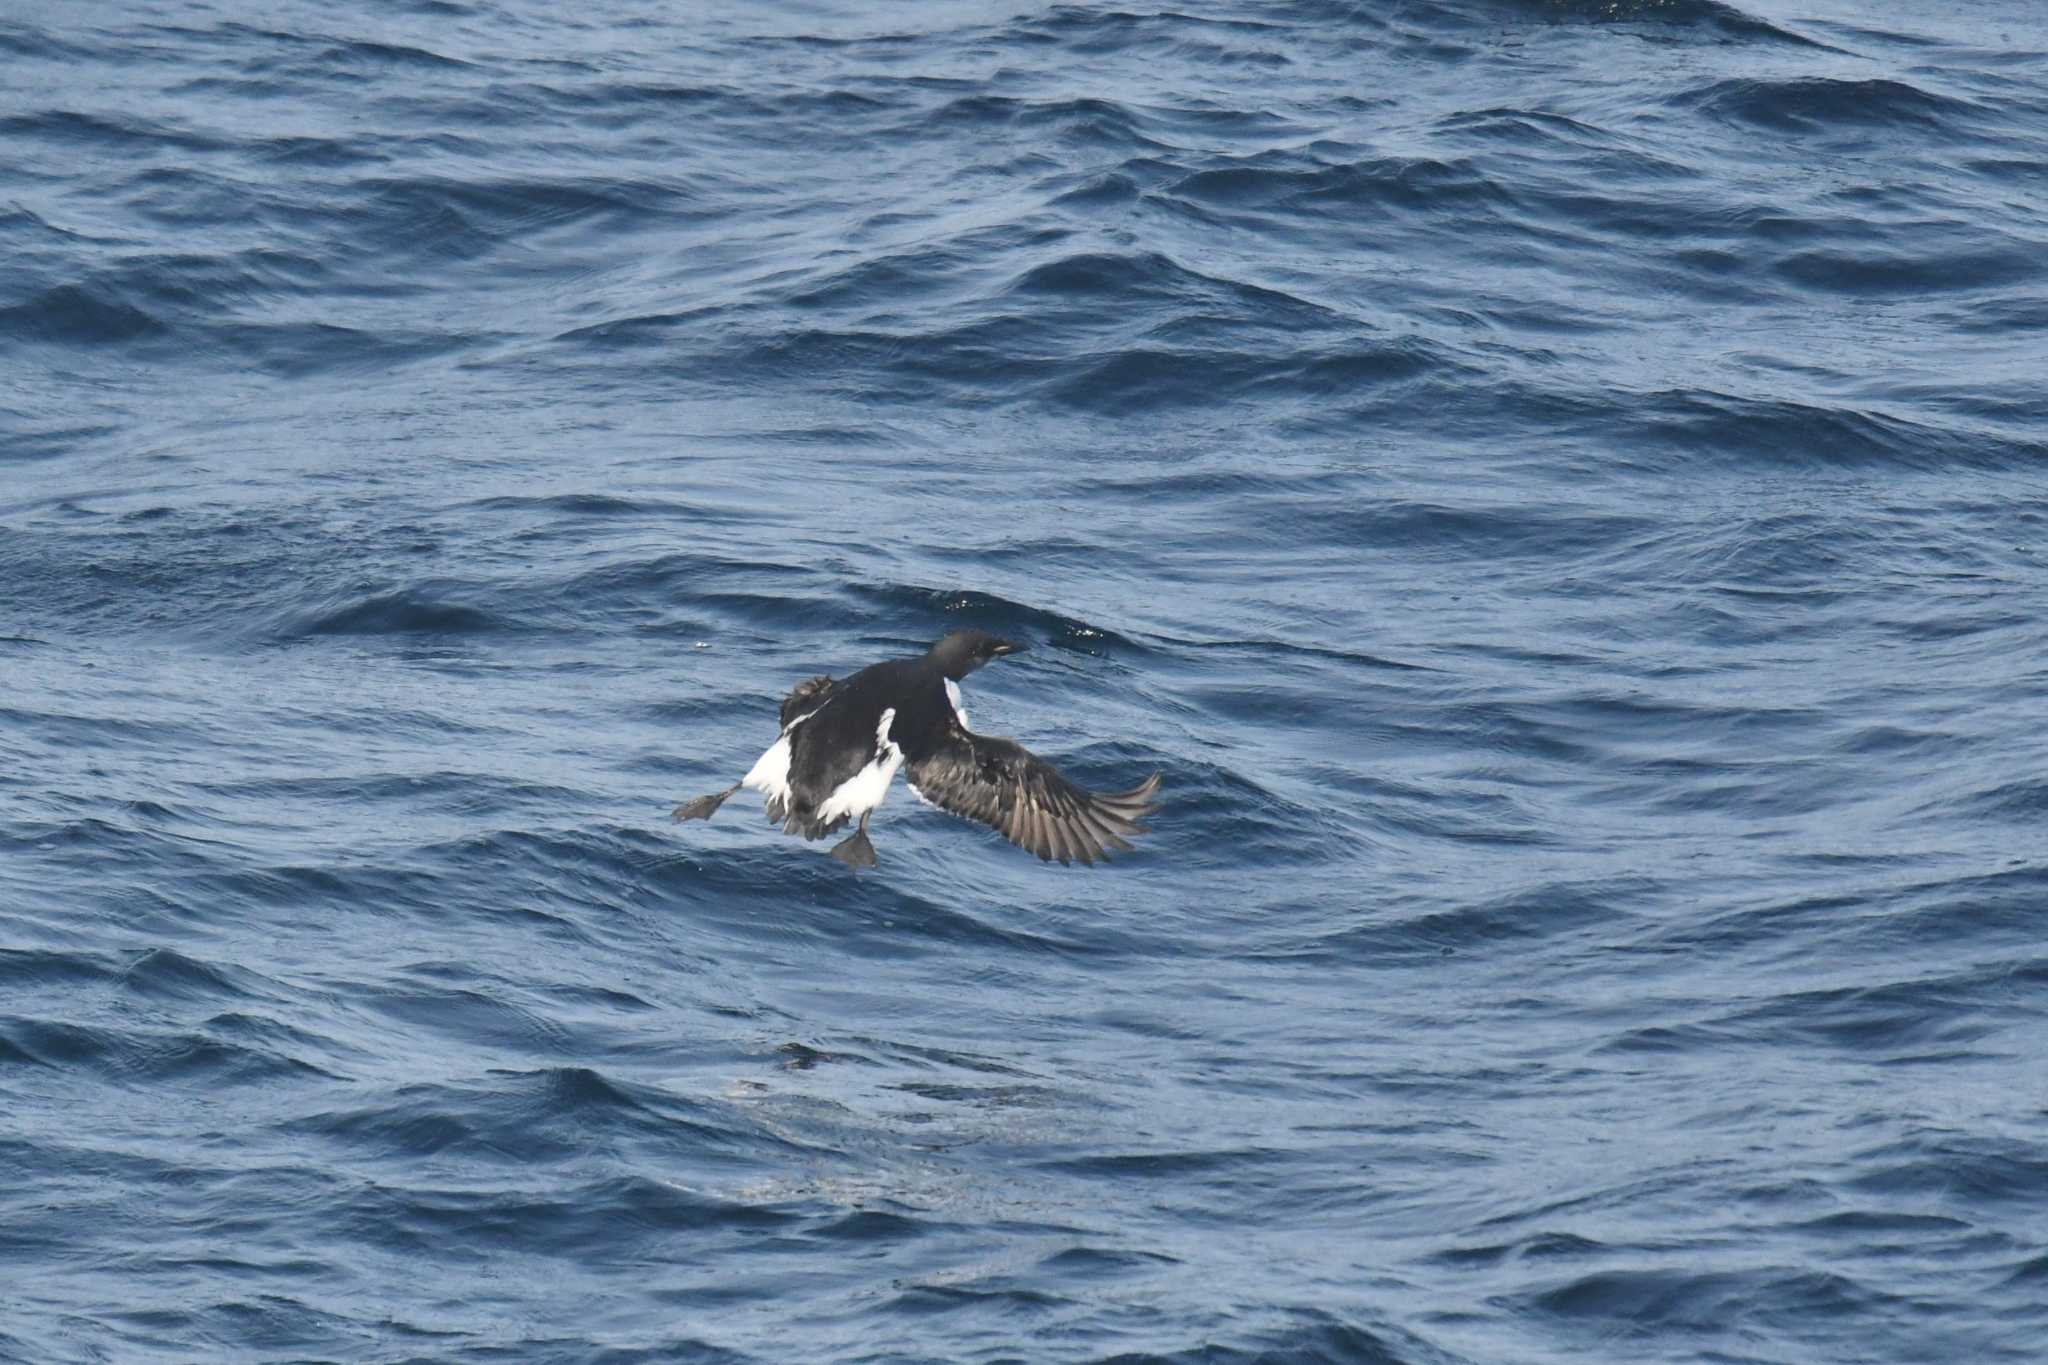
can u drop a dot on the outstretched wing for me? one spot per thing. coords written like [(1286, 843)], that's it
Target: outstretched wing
[(1023, 798), (805, 697)]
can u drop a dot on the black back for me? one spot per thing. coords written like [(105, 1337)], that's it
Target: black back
[(839, 738)]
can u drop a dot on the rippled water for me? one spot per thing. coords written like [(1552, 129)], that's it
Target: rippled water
[(1556, 486)]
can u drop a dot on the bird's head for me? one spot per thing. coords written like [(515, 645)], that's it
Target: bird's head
[(960, 652)]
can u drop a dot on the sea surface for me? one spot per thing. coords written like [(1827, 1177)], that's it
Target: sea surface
[(1559, 489)]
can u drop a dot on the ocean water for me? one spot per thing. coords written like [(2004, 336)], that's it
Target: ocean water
[(1559, 489)]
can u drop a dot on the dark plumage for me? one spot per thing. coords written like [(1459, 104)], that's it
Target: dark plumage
[(842, 743), (1023, 798)]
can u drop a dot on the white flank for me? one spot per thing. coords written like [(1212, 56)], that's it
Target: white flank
[(770, 773), (953, 695), (862, 792)]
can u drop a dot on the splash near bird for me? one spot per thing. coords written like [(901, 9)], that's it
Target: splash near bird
[(843, 742)]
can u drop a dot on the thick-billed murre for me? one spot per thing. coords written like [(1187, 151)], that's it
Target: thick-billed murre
[(843, 742)]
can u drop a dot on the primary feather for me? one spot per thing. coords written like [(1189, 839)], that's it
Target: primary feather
[(1025, 799)]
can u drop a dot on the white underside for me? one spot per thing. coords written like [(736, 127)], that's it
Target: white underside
[(854, 797), (862, 792)]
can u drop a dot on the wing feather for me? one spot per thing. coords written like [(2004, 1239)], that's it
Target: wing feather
[(1005, 786), (806, 697), (1056, 831)]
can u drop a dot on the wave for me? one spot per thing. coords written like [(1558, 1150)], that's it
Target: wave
[(1812, 104), (429, 609), (72, 315), (1710, 20)]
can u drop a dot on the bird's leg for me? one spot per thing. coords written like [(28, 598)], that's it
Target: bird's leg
[(704, 807), (855, 850)]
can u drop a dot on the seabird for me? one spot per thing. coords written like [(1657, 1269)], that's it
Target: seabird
[(843, 742)]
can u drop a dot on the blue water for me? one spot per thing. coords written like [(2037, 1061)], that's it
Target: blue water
[(1558, 487)]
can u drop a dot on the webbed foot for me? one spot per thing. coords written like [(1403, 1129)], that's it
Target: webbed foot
[(856, 850), (704, 807)]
